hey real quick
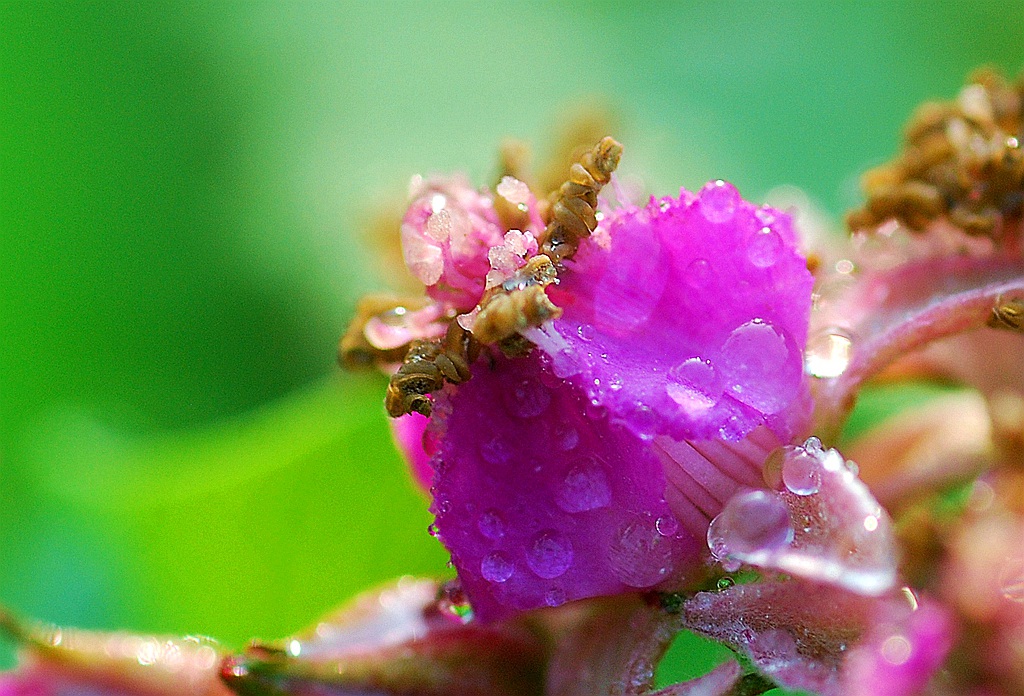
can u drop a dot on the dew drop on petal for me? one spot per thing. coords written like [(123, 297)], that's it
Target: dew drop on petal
[(693, 384), (566, 438), (765, 247), (495, 451), (549, 554), (491, 524), (527, 399), (584, 488), (753, 362), (554, 597), (828, 353), (667, 525), (496, 567), (801, 473), (698, 274), (750, 522), (718, 201), (639, 555)]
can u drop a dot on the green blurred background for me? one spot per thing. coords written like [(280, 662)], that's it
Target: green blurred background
[(184, 193)]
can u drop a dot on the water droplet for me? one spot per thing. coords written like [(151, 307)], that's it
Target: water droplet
[(585, 332), (694, 385), (643, 421), (528, 398), (432, 529), (667, 525), (871, 523), (725, 583), (550, 554), (491, 525), (554, 597), (566, 438), (496, 567), (718, 201), (495, 451), (750, 522), (698, 274), (639, 556), (764, 248), (754, 362), (896, 649), (584, 488), (801, 472), (453, 604), (828, 353), (1011, 580)]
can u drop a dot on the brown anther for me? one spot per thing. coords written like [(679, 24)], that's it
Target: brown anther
[(1007, 314), (573, 211), (426, 368), (961, 160)]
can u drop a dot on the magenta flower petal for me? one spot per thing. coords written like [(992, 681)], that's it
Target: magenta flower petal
[(408, 432), (692, 323), (542, 499)]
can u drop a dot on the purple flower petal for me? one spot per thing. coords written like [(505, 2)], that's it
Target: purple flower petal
[(542, 499), (822, 524), (692, 323)]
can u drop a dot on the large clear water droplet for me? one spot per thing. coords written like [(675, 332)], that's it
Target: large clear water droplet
[(750, 522), (584, 488), (764, 248), (694, 385), (801, 472), (754, 362), (639, 555), (828, 353), (549, 554), (718, 201), (496, 567)]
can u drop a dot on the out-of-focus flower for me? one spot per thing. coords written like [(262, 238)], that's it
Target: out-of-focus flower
[(68, 662)]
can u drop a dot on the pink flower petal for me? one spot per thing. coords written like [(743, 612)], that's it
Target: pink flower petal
[(891, 313)]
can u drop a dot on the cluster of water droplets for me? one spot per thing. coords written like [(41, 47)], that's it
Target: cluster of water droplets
[(817, 521)]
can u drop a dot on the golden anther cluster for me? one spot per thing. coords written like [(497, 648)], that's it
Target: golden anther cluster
[(962, 160)]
